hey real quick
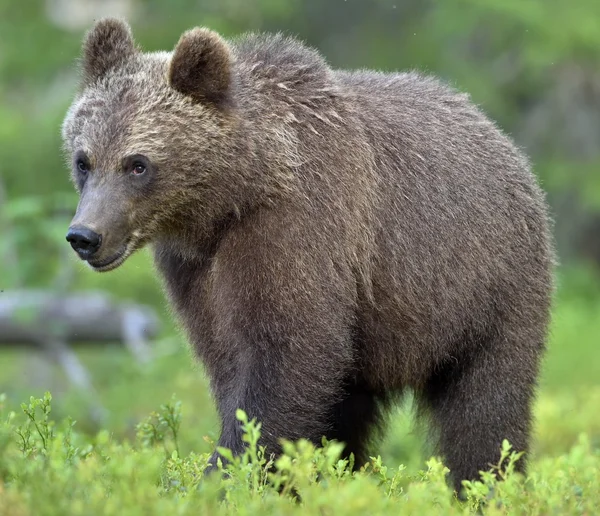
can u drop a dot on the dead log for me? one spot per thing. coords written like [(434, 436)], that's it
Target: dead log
[(53, 320), (37, 316)]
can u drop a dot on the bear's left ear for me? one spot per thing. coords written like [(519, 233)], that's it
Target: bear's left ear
[(201, 67), (108, 44)]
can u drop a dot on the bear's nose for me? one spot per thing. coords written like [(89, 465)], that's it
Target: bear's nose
[(84, 241)]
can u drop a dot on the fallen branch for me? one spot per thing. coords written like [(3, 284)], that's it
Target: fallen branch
[(36, 316)]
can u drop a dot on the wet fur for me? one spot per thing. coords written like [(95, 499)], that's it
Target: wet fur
[(329, 239)]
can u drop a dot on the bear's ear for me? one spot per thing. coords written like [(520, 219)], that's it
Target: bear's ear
[(201, 67), (108, 44)]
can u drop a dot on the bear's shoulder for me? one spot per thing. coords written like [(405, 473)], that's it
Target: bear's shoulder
[(281, 58)]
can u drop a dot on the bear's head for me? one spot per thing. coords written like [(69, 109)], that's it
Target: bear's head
[(144, 136)]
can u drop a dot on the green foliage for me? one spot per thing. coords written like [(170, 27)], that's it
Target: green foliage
[(59, 471), (43, 425), (162, 426)]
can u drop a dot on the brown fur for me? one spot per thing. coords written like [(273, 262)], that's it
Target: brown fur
[(109, 45), (201, 67), (328, 239)]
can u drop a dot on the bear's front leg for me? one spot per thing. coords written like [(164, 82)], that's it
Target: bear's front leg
[(281, 350), (288, 378)]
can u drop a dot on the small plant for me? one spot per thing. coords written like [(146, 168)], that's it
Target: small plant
[(251, 468), (38, 416), (494, 481), (391, 484), (162, 427)]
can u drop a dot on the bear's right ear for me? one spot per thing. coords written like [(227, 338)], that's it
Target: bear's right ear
[(108, 44), (201, 67)]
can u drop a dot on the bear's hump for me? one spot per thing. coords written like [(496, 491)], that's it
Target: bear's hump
[(280, 57)]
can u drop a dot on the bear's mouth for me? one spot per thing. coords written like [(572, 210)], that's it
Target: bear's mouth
[(113, 261)]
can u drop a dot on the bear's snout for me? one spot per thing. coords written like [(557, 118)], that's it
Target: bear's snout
[(84, 241)]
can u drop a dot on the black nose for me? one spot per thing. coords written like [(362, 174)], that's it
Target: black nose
[(84, 241)]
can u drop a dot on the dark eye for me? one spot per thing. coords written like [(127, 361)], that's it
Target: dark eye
[(82, 166), (137, 165), (138, 168)]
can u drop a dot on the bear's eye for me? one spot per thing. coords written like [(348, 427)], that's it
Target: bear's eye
[(138, 168), (82, 166), (137, 165)]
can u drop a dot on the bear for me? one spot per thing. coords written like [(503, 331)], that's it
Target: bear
[(329, 240)]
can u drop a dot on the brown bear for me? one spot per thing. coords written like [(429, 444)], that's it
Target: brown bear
[(329, 239)]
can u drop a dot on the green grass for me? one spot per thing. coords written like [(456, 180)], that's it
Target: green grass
[(51, 469), (147, 454)]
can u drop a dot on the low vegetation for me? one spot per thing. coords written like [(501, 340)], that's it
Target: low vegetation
[(49, 468)]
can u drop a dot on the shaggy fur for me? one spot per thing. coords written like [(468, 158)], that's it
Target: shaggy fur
[(201, 67), (328, 239)]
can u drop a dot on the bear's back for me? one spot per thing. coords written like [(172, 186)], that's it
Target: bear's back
[(454, 200), (461, 221), (279, 63)]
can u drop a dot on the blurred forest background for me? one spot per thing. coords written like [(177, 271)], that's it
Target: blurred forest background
[(534, 66)]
